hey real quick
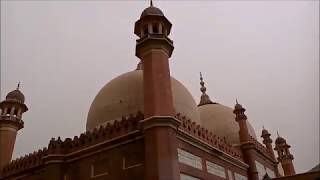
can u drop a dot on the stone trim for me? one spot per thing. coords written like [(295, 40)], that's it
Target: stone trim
[(156, 121)]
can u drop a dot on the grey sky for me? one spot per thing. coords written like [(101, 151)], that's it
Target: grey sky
[(265, 53)]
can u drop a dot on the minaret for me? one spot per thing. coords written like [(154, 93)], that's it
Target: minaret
[(268, 142), (205, 99), (11, 110), (246, 145), (284, 156), (154, 48)]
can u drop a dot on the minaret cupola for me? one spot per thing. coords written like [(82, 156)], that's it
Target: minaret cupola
[(153, 26), (239, 112), (16, 95), (13, 106)]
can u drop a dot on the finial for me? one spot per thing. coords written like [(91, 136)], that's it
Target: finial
[(278, 134), (204, 97), (238, 106), (263, 127), (203, 89), (151, 3), (18, 86)]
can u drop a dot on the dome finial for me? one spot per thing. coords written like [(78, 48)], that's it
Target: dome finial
[(18, 86), (151, 3), (203, 89), (278, 134), (238, 106), (205, 99)]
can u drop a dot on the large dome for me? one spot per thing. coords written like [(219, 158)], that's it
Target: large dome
[(123, 96), (220, 120)]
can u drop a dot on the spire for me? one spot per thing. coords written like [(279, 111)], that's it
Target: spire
[(151, 3), (203, 88), (18, 86), (237, 106), (205, 99)]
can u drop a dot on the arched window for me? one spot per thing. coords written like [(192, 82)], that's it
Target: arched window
[(155, 29), (15, 113), (165, 31), (8, 111), (160, 28), (145, 31)]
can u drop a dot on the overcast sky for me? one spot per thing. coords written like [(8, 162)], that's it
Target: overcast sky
[(265, 53)]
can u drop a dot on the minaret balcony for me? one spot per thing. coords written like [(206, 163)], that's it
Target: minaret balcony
[(7, 119), (154, 36), (154, 41)]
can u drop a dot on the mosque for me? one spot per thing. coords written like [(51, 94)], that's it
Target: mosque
[(145, 124)]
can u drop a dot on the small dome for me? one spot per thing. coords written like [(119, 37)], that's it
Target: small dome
[(280, 140), (123, 96), (265, 132), (220, 120), (15, 95), (151, 11), (238, 106)]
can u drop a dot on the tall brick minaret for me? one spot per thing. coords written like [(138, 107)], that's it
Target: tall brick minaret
[(11, 110), (154, 48), (246, 145), (284, 156)]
